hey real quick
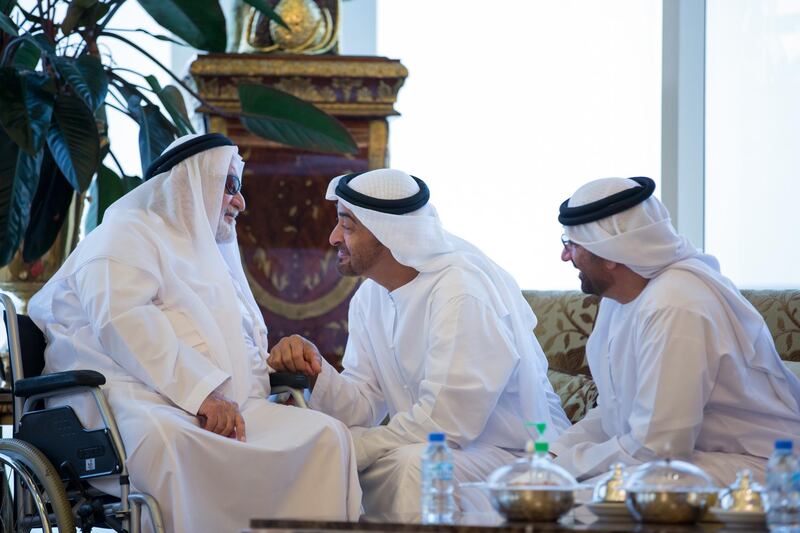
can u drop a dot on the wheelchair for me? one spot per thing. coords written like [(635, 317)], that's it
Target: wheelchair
[(49, 461)]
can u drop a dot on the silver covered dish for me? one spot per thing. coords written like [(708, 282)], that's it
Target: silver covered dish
[(532, 489), (669, 491)]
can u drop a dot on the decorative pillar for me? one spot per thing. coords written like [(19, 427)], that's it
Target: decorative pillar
[(283, 233)]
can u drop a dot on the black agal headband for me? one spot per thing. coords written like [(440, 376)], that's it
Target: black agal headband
[(172, 157), (605, 207), (393, 207)]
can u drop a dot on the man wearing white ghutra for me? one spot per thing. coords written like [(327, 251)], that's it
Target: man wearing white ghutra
[(685, 366), (441, 340), (155, 298)]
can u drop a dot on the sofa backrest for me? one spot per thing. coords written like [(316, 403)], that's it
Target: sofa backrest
[(566, 318)]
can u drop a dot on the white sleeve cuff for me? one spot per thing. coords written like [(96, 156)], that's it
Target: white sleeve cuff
[(322, 385), (191, 404)]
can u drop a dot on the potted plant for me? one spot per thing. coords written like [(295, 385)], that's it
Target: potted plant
[(55, 87)]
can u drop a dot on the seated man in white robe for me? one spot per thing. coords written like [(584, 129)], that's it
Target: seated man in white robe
[(440, 339), (684, 365), (155, 298)]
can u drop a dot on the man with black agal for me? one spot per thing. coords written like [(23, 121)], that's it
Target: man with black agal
[(684, 365), (441, 339), (155, 298)]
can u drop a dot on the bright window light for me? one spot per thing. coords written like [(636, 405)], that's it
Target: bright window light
[(511, 105), (123, 131), (752, 133)]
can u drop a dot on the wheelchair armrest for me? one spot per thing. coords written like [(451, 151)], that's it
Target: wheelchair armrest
[(287, 379), (24, 388)]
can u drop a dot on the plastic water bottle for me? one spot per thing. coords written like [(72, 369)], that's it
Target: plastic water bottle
[(438, 501), (783, 489)]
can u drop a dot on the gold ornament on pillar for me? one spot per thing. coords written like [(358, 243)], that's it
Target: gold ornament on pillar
[(313, 28)]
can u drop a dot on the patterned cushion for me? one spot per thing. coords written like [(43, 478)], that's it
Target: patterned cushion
[(781, 311), (566, 319), (578, 393)]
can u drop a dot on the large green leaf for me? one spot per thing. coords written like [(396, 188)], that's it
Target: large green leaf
[(83, 13), (96, 78), (49, 210), (26, 56), (200, 23), (155, 131), (281, 117), (173, 102), (70, 21), (101, 120), (107, 189), (27, 49), (264, 8), (74, 141), (7, 25), (19, 177), (86, 77), (6, 5), (26, 106)]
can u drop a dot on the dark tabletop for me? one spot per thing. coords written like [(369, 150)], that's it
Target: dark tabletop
[(491, 523)]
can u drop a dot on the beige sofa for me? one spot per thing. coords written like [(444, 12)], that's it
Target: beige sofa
[(566, 319)]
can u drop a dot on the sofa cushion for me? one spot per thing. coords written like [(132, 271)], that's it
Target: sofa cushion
[(565, 320), (781, 311), (578, 393)]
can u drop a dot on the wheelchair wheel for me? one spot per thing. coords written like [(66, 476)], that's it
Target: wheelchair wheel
[(41, 480)]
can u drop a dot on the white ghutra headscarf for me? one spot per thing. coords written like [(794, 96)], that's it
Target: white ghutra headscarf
[(418, 240), (166, 227), (643, 239)]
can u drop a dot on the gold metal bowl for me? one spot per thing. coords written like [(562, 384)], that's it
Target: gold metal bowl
[(669, 507), (531, 504)]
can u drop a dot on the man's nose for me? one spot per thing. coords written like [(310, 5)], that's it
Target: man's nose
[(566, 255), (335, 236), (238, 201)]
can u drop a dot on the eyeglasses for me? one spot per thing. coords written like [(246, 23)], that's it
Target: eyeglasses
[(232, 184), (565, 241)]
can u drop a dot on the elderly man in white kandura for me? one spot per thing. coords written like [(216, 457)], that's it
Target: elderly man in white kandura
[(684, 364), (441, 340), (156, 299)]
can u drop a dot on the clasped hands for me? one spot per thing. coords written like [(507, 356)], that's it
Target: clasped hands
[(295, 354), (220, 415)]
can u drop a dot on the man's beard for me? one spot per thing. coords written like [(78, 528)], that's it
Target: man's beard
[(226, 231), (359, 263), (595, 286), (346, 269)]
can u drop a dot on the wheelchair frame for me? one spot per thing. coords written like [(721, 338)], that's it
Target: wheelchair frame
[(123, 515)]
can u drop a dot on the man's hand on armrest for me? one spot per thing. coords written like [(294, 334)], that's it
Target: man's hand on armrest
[(220, 415), (296, 354)]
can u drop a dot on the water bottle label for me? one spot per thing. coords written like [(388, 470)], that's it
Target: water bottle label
[(444, 471)]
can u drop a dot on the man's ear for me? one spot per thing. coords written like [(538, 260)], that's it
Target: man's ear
[(610, 265)]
